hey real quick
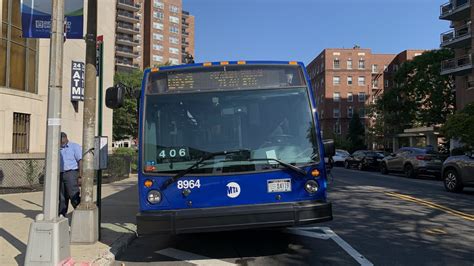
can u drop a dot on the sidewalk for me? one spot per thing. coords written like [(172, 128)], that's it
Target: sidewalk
[(119, 206)]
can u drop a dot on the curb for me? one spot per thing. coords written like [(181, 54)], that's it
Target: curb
[(116, 249)]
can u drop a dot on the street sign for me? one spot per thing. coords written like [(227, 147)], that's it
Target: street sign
[(36, 18), (98, 54)]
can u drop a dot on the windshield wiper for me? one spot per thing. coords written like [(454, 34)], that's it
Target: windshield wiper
[(173, 179), (287, 165)]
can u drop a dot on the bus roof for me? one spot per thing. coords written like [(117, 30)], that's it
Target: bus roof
[(206, 64)]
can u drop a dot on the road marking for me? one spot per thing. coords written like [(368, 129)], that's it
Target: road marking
[(330, 234), (433, 205), (192, 258)]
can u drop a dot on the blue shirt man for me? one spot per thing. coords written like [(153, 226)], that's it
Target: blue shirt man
[(70, 164)]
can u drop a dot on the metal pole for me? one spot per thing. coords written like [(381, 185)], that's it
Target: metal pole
[(53, 247), (85, 217), (101, 87)]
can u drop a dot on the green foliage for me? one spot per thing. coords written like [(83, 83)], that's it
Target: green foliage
[(125, 123), (421, 96), (130, 153), (356, 134), (30, 171), (460, 126), (342, 143)]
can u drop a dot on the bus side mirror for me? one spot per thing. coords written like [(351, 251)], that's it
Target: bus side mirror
[(329, 148), (114, 97)]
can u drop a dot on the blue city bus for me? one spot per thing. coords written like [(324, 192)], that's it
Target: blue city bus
[(228, 146)]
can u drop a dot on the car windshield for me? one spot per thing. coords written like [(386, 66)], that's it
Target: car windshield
[(271, 123)]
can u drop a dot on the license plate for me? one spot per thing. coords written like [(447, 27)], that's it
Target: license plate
[(278, 185), (437, 161)]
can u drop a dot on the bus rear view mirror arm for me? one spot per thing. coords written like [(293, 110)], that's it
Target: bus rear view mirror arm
[(329, 148)]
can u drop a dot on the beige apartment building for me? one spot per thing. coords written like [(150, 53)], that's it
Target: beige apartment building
[(24, 69), (345, 81), (459, 38)]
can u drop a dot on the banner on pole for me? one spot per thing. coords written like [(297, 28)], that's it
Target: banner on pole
[(77, 81), (36, 18)]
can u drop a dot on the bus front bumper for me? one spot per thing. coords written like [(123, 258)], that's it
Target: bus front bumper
[(233, 217)]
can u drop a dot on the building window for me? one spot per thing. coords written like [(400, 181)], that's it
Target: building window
[(174, 61), (174, 19), (336, 96), (21, 133), (361, 64), (374, 68), (349, 80), (375, 83), (174, 9), (157, 47), (336, 80), (157, 26), (336, 113), (362, 112), (350, 112), (336, 64), (361, 97), (385, 68), (158, 58), (350, 97), (158, 4), (174, 29), (337, 128), (158, 15), (174, 40), (349, 64), (361, 81), (173, 50), (157, 36), (17, 55), (386, 83)]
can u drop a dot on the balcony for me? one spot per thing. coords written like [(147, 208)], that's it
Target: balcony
[(125, 65), (124, 28), (457, 66), (127, 17), (185, 24), (457, 38), (455, 10), (127, 41), (128, 5), (128, 53)]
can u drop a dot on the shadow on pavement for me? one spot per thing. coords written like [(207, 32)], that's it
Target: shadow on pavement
[(16, 243)]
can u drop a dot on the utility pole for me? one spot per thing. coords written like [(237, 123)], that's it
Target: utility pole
[(48, 242), (84, 225)]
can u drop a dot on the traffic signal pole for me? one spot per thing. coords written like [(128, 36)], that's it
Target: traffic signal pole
[(84, 225), (48, 241)]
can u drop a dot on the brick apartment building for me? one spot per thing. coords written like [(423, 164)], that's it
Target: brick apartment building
[(152, 32), (460, 13), (389, 73), (345, 81), (168, 33)]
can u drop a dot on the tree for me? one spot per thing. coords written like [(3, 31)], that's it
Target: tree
[(421, 96), (356, 134), (460, 126), (125, 123)]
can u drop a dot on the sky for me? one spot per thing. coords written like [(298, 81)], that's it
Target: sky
[(300, 29)]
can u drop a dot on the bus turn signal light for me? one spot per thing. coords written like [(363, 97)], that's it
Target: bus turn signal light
[(150, 168), (315, 173), (148, 183)]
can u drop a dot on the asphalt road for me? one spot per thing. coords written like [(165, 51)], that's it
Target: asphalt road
[(378, 219)]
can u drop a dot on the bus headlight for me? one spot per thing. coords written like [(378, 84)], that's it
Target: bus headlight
[(311, 186), (154, 196)]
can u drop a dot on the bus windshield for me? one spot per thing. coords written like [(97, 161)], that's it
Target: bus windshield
[(179, 129)]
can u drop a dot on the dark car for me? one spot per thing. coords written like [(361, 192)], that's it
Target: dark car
[(413, 161), (458, 172), (364, 159)]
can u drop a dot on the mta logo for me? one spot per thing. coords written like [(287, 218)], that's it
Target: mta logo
[(233, 190)]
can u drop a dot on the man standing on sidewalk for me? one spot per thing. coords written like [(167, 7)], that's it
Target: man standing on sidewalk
[(70, 161)]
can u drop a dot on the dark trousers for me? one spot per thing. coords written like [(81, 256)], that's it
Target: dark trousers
[(68, 190)]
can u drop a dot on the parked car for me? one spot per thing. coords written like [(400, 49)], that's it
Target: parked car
[(364, 159), (340, 157), (413, 161), (458, 172)]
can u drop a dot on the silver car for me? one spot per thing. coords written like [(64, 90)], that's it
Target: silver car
[(413, 161), (458, 172)]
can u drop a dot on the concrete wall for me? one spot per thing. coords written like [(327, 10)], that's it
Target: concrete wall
[(36, 104)]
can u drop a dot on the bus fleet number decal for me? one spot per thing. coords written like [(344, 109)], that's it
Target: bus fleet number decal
[(184, 184)]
